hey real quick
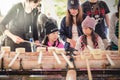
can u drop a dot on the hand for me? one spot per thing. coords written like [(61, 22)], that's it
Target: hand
[(17, 39), (37, 42), (72, 43)]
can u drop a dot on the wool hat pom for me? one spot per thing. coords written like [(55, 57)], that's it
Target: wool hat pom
[(89, 22)]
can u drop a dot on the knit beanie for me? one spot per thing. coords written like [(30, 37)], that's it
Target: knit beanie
[(89, 22), (73, 4), (50, 27)]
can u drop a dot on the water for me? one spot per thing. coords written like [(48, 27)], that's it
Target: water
[(57, 77)]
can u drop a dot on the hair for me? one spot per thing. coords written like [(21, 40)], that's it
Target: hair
[(42, 20), (45, 42), (79, 18), (35, 1), (94, 39)]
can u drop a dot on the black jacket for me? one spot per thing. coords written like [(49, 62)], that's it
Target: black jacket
[(66, 31)]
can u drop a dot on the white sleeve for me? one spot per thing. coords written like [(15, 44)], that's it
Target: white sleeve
[(112, 30), (78, 44)]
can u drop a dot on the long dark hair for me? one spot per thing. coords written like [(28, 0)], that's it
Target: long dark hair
[(79, 17), (94, 40), (45, 42)]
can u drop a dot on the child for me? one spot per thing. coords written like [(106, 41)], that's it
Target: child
[(89, 37), (51, 39)]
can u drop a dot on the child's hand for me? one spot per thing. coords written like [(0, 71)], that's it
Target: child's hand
[(72, 43), (37, 42)]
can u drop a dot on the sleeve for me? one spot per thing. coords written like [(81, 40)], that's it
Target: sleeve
[(60, 45), (35, 33), (105, 7), (100, 43), (35, 30), (78, 44), (112, 29), (62, 30), (84, 6), (10, 15)]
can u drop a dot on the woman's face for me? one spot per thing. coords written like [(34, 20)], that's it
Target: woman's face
[(34, 5), (87, 30), (73, 12), (53, 36)]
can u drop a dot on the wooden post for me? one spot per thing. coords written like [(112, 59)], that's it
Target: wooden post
[(71, 75), (88, 70), (57, 58), (110, 60), (40, 58), (13, 60), (66, 59)]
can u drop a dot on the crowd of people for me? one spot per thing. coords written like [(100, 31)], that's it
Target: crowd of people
[(82, 25)]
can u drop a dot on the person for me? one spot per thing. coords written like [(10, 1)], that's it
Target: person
[(89, 37), (20, 19), (114, 29), (70, 28), (51, 39), (41, 22), (99, 10)]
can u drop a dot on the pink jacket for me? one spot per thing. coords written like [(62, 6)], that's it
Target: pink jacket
[(58, 45)]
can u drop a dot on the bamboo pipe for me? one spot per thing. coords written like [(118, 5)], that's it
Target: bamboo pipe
[(56, 57), (88, 70), (66, 59), (34, 43), (40, 57), (108, 57), (5, 48)]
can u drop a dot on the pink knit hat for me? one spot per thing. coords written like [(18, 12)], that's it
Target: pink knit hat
[(89, 22)]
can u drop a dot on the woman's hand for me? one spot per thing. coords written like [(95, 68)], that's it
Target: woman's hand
[(16, 39)]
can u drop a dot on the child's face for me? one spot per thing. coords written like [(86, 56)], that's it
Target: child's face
[(87, 30), (53, 36)]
